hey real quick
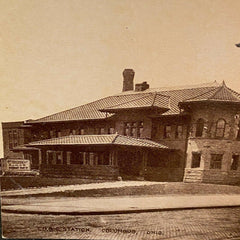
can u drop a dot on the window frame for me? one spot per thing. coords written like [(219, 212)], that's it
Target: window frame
[(167, 134), (199, 127), (220, 128), (137, 126), (193, 161), (177, 136), (214, 162), (237, 162)]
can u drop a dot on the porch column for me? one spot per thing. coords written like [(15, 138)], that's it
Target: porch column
[(84, 158), (115, 161), (143, 163), (69, 158), (113, 158), (39, 157)]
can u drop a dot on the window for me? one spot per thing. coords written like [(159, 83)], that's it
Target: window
[(87, 160), (235, 162), (73, 132), (238, 134), (10, 138), (52, 134), (103, 158), (140, 129), (81, 131), (96, 131), (51, 156), (127, 127), (80, 158), (111, 130), (59, 134), (102, 131), (134, 129), (14, 138), (196, 159), (73, 158), (59, 157), (179, 132), (199, 127), (167, 131), (220, 128), (216, 161)]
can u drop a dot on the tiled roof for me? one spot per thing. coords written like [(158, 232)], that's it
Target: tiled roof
[(109, 139), (92, 110), (222, 93), (148, 100)]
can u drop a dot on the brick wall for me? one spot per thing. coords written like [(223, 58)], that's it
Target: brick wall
[(81, 171), (209, 144), (7, 129)]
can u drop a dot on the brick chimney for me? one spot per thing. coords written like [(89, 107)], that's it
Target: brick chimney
[(128, 75), (141, 86)]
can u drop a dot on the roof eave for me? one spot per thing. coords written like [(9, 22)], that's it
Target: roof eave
[(116, 110), (210, 101)]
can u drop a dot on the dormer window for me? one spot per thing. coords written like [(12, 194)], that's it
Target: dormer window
[(199, 127), (220, 128)]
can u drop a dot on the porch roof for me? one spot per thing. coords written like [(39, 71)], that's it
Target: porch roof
[(24, 148), (109, 139)]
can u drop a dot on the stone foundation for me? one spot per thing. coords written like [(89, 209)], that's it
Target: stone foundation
[(212, 176)]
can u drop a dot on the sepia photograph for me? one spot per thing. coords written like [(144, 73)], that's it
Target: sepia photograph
[(120, 119)]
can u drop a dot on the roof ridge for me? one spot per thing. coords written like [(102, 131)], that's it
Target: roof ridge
[(217, 90), (154, 97), (199, 95), (184, 87), (115, 138), (238, 94), (129, 101), (226, 88)]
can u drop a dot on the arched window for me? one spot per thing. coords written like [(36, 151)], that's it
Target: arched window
[(199, 127), (220, 127)]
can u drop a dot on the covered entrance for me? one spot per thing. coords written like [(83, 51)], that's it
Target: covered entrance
[(95, 156)]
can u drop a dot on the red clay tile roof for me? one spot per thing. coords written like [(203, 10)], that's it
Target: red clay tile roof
[(148, 100), (109, 139), (222, 93), (92, 110)]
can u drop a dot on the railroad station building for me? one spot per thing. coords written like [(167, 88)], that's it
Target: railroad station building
[(188, 133)]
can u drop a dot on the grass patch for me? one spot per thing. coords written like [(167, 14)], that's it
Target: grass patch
[(14, 183), (156, 189)]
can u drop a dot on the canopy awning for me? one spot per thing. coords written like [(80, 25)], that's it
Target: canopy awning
[(86, 140)]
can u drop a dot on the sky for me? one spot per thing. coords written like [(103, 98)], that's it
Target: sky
[(58, 54)]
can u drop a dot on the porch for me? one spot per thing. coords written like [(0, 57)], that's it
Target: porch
[(104, 157)]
